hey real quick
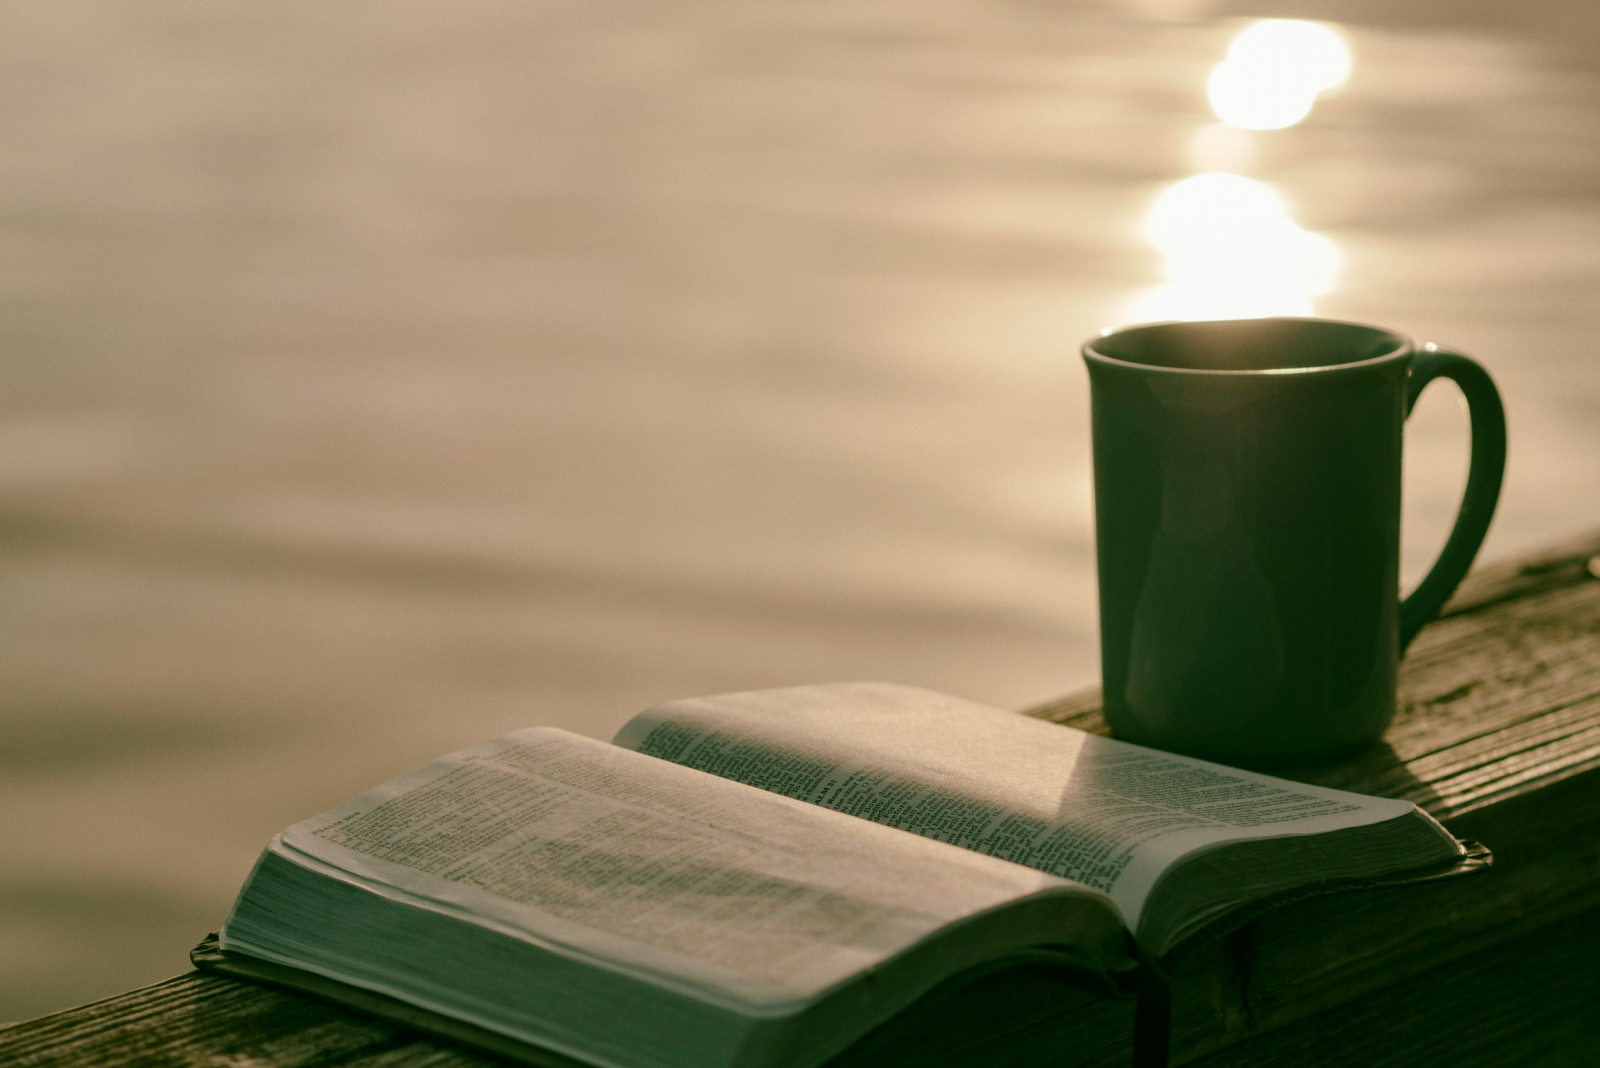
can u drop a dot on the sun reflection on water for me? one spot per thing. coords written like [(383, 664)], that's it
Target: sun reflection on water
[(1233, 252), (1274, 72), (1231, 248)]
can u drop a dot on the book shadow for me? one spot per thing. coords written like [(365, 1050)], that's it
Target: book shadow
[(1044, 1009)]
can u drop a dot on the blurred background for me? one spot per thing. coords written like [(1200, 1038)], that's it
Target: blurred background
[(375, 378)]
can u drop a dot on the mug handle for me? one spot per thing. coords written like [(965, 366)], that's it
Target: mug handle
[(1488, 421)]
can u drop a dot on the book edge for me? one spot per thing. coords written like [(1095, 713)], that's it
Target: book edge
[(210, 957), (1474, 857)]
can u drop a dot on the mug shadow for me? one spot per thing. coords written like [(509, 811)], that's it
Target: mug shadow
[(1377, 770)]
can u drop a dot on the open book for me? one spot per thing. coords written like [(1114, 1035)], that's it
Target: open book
[(732, 883)]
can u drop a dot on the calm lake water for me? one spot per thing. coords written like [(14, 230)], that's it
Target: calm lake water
[(377, 378)]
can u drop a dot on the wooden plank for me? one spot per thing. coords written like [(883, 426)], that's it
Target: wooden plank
[(1316, 955), (1527, 1001), (198, 1021), (1497, 733)]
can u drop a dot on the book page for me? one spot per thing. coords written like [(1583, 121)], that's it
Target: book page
[(579, 844), (1102, 812)]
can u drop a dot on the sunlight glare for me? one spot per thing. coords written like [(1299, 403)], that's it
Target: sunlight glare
[(1233, 252), (1274, 72)]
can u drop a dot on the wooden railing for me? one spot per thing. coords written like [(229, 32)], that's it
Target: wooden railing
[(1498, 735)]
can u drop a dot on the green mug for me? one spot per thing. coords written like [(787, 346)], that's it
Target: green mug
[(1247, 516)]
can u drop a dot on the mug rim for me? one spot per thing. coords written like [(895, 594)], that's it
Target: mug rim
[(1403, 348)]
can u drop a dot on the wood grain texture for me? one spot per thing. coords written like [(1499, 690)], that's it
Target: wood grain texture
[(1497, 734), (1526, 1001), (201, 1021)]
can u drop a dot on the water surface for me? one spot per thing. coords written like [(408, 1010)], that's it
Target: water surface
[(377, 379)]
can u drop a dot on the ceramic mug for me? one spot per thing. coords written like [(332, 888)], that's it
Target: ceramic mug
[(1247, 514)]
